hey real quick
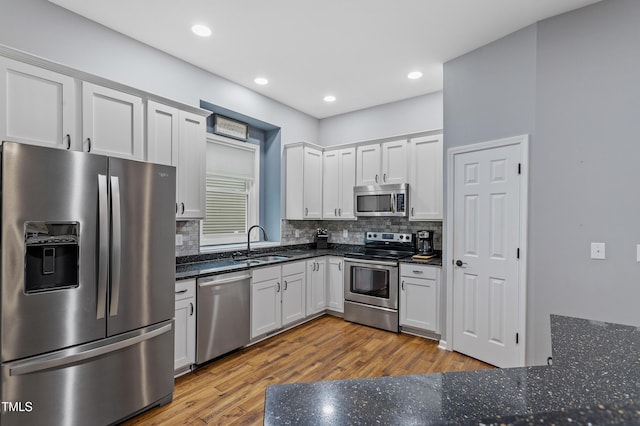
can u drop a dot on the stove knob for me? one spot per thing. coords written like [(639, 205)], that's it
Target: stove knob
[(401, 236), (375, 235)]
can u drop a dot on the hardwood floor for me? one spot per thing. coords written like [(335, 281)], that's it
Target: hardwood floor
[(231, 390)]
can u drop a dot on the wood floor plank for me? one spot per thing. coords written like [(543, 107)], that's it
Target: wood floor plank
[(230, 390)]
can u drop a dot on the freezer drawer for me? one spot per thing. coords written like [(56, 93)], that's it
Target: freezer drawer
[(98, 383)]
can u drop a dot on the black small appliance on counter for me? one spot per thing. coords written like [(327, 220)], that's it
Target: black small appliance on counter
[(424, 243), (322, 238)]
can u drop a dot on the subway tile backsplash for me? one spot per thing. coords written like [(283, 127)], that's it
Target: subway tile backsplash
[(190, 231)]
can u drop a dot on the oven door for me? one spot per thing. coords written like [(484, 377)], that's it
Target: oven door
[(373, 282)]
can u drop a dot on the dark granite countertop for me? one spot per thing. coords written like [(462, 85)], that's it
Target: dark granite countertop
[(594, 379)]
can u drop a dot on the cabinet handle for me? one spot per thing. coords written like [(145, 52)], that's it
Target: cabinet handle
[(335, 212), (384, 177), (376, 178), (278, 289), (416, 271), (192, 309), (176, 208), (412, 212), (339, 212), (306, 211), (285, 285), (339, 266), (182, 211), (68, 142), (88, 144), (181, 291), (402, 286)]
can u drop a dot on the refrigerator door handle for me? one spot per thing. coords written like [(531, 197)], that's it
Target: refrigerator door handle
[(116, 245), (62, 359), (103, 244)]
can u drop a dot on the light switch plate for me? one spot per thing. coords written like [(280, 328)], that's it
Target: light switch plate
[(297, 233), (178, 239), (597, 251), (345, 233)]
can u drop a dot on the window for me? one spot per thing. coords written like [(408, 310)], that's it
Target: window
[(232, 188)]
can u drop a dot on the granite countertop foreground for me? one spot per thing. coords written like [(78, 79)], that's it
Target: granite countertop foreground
[(594, 379)]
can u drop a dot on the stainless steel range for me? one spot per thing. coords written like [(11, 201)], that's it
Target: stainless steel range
[(371, 279)]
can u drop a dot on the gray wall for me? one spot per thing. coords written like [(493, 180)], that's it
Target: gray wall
[(572, 84), (49, 31), (412, 115)]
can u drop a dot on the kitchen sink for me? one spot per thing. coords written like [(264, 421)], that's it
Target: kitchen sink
[(258, 260)]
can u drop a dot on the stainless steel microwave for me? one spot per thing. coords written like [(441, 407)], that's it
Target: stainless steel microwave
[(381, 200)]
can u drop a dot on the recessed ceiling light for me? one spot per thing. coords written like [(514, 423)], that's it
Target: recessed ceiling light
[(201, 30), (329, 98), (414, 75), (261, 81)]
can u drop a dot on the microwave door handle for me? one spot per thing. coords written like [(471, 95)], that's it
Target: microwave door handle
[(393, 202), (116, 245), (103, 245)]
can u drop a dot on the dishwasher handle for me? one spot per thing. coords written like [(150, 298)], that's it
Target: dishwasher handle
[(213, 282)]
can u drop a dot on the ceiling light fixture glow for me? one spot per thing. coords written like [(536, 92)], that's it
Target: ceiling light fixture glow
[(261, 81), (201, 30), (329, 98), (414, 75)]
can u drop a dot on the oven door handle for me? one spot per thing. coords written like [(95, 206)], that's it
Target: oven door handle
[(371, 262)]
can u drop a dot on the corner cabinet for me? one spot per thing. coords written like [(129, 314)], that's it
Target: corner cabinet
[(303, 165), (37, 106), (420, 297), (335, 284), (112, 122), (178, 138), (425, 182), (185, 326), (383, 163), (339, 178)]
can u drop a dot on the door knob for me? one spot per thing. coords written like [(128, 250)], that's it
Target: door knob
[(460, 263)]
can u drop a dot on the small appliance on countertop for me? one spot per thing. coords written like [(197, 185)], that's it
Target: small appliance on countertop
[(424, 246), (322, 238)]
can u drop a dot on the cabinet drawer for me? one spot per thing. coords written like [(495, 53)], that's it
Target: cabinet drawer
[(293, 268), (265, 274), (185, 289), (418, 271)]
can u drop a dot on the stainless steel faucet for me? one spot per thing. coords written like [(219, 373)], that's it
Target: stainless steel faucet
[(249, 237)]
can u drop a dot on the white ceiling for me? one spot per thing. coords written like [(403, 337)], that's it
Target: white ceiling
[(358, 50)]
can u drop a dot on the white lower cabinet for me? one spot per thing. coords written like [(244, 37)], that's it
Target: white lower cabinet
[(335, 283), (316, 285), (185, 326), (420, 297), (277, 297)]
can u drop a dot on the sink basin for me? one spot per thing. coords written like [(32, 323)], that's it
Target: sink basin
[(271, 258)]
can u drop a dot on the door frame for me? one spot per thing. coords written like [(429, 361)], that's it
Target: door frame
[(523, 141)]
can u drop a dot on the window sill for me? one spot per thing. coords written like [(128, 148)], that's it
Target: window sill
[(238, 247)]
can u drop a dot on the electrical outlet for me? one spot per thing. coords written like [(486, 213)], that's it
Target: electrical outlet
[(178, 239), (345, 233), (297, 233), (597, 251)]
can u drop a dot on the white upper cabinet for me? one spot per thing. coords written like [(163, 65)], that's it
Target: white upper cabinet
[(303, 182), (339, 178), (380, 164), (37, 106), (112, 122), (425, 183), (178, 138)]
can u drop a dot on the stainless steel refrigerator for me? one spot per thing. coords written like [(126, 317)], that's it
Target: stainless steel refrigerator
[(87, 286)]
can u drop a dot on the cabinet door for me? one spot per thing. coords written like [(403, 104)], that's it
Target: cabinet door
[(37, 106), (293, 298), (331, 184), (185, 334), (265, 307), (394, 162), (419, 303), (316, 286), (347, 182), (335, 285), (368, 165), (191, 167), (312, 183), (111, 122), (163, 134), (425, 184)]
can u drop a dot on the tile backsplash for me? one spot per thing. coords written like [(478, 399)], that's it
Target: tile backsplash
[(190, 231)]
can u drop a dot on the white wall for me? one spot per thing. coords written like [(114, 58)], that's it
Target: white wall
[(412, 115), (49, 31)]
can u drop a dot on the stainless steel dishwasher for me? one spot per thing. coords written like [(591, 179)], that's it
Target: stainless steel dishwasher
[(223, 314)]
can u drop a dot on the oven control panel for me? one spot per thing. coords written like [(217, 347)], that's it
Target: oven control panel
[(389, 237)]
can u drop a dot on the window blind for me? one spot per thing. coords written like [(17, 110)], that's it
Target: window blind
[(227, 200)]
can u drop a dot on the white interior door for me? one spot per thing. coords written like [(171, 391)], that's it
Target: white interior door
[(487, 226)]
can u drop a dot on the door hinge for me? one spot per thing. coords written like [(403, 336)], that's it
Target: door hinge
[(518, 253), (519, 168), (517, 338)]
